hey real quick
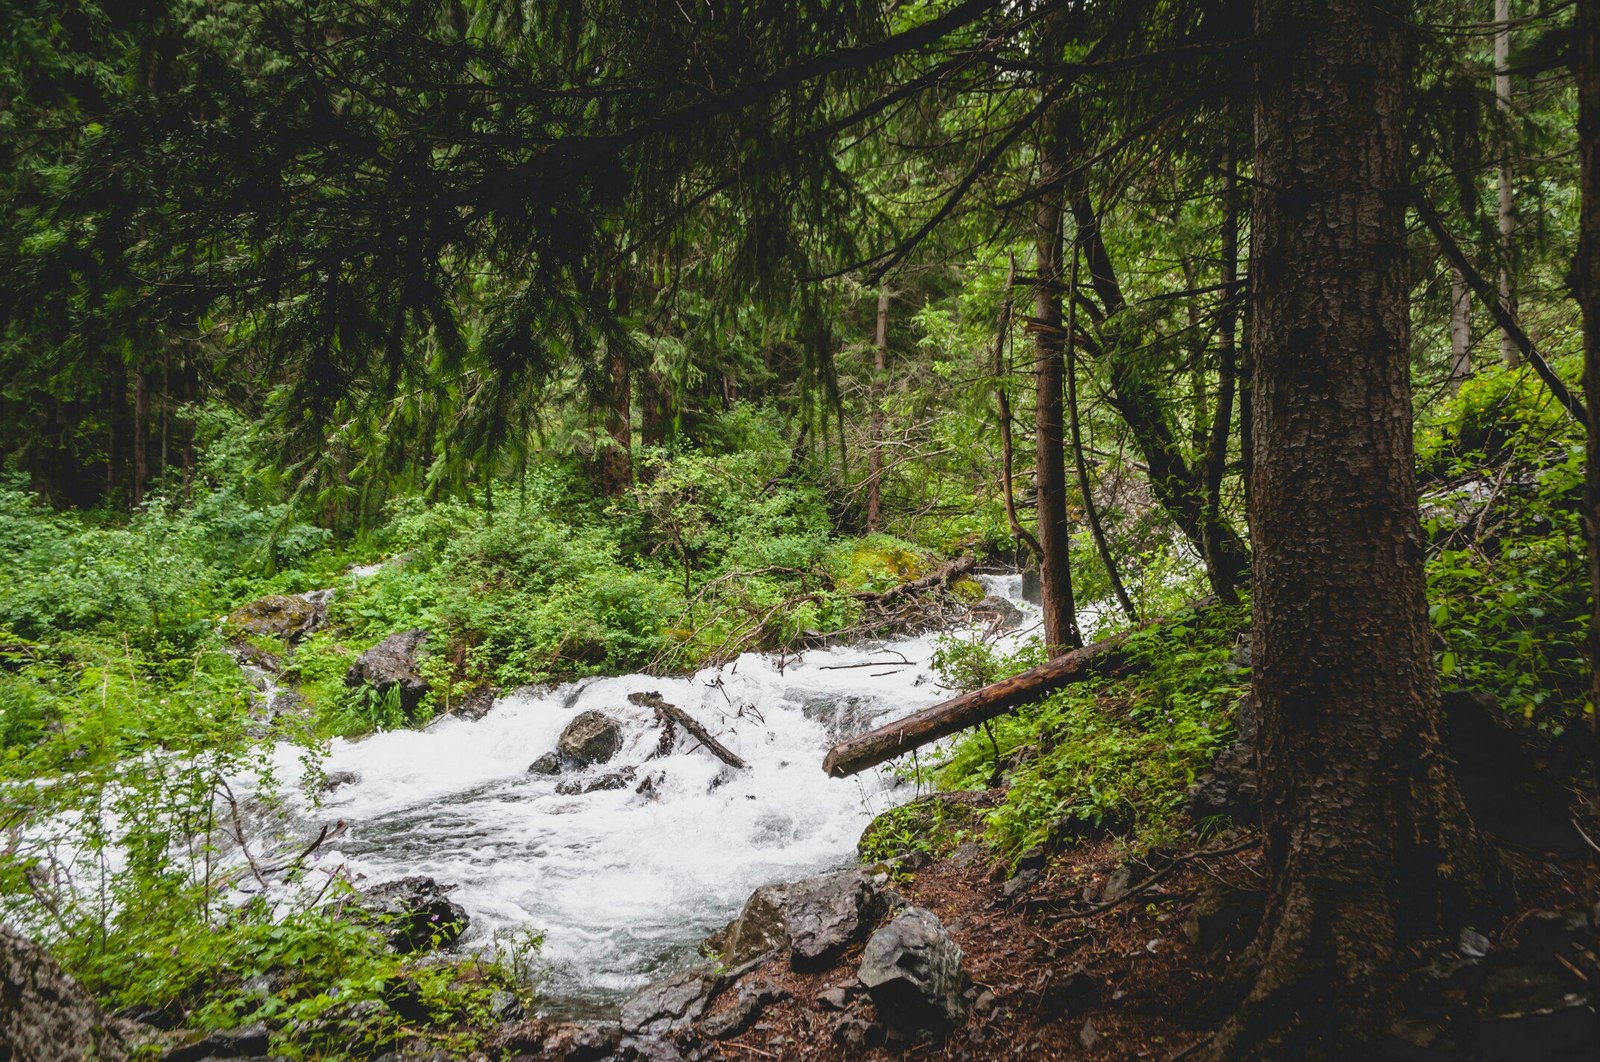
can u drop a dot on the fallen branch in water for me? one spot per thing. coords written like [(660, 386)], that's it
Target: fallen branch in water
[(920, 728), (688, 722), (937, 579)]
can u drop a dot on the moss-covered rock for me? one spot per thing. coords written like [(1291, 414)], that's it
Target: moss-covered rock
[(286, 616)]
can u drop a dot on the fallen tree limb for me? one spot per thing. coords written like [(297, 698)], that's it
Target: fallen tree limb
[(885, 743), (1502, 316), (687, 721), (940, 577)]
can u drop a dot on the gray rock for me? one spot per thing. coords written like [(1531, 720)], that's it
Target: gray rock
[(912, 969), (610, 780), (549, 763), (476, 704), (592, 737), (390, 665), (582, 1041), (1002, 614), (287, 616), (248, 1042), (835, 998), (335, 779), (1232, 787), (415, 912), (46, 1016), (668, 1006), (814, 919), (752, 999), (504, 1006)]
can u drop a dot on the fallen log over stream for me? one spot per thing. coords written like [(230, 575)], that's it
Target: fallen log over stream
[(1104, 657)]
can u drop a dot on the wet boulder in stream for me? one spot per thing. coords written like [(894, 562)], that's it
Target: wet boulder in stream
[(390, 665), (814, 919), (592, 737), (415, 912)]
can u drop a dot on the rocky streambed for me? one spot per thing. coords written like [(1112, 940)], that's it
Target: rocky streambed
[(579, 813)]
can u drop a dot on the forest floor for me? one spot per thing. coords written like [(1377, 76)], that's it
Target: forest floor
[(1057, 976)]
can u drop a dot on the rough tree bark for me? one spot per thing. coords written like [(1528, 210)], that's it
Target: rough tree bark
[(1587, 273), (1368, 842), (1050, 471)]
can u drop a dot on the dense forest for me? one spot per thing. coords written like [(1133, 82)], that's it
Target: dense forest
[(387, 386)]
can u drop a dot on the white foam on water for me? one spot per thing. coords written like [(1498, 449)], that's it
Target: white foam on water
[(625, 884)]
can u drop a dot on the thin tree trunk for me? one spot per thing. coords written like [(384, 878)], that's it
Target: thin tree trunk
[(1003, 409), (1502, 94), (616, 461), (1587, 270), (1216, 459), (1050, 475), (1503, 317), (880, 365), (1178, 487), (141, 415), (1090, 512), (1368, 842), (1460, 330)]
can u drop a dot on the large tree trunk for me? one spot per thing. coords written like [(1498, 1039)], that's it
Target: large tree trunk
[(1050, 470), (1588, 286), (1368, 842)]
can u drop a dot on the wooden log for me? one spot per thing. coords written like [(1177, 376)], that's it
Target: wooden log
[(687, 721), (939, 578), (1106, 656)]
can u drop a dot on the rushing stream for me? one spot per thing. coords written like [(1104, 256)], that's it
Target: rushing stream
[(625, 884)]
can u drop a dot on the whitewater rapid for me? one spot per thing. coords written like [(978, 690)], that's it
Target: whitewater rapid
[(625, 884)]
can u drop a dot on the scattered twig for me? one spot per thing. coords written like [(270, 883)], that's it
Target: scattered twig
[(1156, 878), (689, 723)]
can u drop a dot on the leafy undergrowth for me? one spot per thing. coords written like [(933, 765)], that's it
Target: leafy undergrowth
[(1501, 467), (1114, 753)]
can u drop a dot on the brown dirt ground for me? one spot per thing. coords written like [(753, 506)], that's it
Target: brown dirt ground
[(1160, 996)]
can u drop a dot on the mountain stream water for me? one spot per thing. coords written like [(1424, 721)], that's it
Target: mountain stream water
[(624, 884)]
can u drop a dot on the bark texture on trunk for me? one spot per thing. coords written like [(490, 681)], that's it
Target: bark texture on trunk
[(1050, 470), (1368, 842), (1587, 272)]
